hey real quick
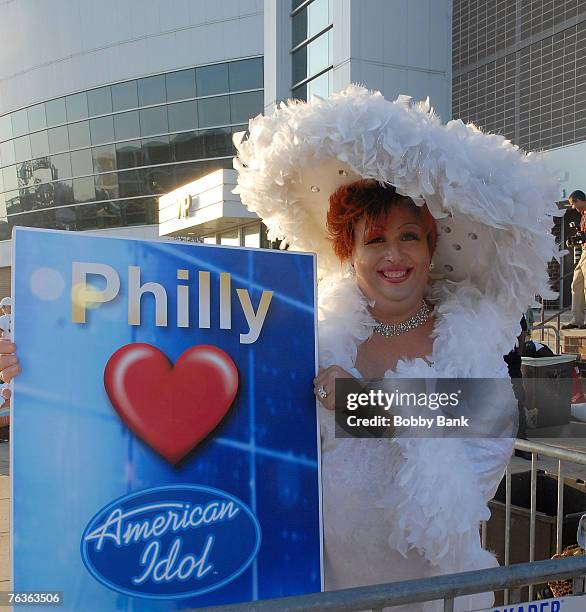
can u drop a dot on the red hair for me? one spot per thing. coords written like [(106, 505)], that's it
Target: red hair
[(368, 199)]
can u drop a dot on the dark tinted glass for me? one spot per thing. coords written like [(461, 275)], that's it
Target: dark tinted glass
[(107, 186), (213, 111), (152, 90), (159, 180), (299, 28), (99, 101), (186, 146), (245, 106), (7, 153), (299, 93), (128, 154), (9, 178), (36, 117), (5, 127), (181, 85), (126, 125), (63, 192), (138, 212), (55, 111), (217, 143), (79, 134), (124, 95), (27, 199), (109, 214), (156, 150), (39, 144), (20, 123), (246, 74), (81, 162), (22, 148), (24, 173), (130, 183), (84, 189), (299, 65), (296, 3), (61, 166), (102, 130), (76, 106), (182, 116), (153, 121), (104, 158), (212, 80), (58, 139), (12, 202)]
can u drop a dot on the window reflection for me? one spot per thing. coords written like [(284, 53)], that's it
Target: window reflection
[(186, 146), (84, 189), (182, 116), (246, 74), (180, 85), (81, 162), (36, 117), (79, 135), (214, 111), (152, 90), (12, 202), (245, 106), (63, 192), (126, 125), (24, 173), (156, 150), (9, 178), (20, 123), (55, 112), (159, 180), (212, 80), (5, 127), (129, 154), (42, 170), (217, 143), (124, 95), (130, 183), (104, 158), (61, 166), (99, 101), (102, 130), (39, 144), (107, 186), (22, 148), (7, 153), (76, 106), (58, 139), (153, 121)]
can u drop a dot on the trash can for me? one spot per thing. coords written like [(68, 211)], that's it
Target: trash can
[(548, 389)]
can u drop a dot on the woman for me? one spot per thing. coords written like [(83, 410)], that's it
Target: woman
[(402, 508), (424, 269)]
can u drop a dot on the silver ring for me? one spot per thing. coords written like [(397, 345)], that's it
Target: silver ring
[(321, 391)]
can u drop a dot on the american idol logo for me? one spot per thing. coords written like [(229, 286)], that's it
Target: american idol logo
[(171, 542)]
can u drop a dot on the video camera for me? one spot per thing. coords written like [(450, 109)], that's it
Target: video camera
[(578, 239)]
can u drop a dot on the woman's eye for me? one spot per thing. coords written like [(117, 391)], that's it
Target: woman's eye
[(375, 240), (410, 236)]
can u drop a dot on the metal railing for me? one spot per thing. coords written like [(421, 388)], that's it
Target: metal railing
[(544, 450), (549, 328), (447, 587)]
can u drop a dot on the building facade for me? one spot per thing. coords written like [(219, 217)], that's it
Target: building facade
[(519, 69), (105, 107)]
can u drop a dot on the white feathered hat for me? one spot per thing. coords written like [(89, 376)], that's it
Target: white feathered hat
[(494, 204)]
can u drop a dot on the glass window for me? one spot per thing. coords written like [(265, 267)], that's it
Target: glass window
[(7, 153), (102, 130), (42, 170), (24, 172), (214, 111), (299, 93), (22, 148), (108, 214), (86, 217), (186, 173), (153, 121), (212, 80), (79, 134), (138, 212), (61, 166), (63, 192), (44, 195), (9, 178), (217, 143), (182, 116), (20, 123), (230, 237), (1, 183), (209, 239), (245, 106), (156, 150), (81, 162), (246, 74), (55, 112), (84, 189), (5, 127), (36, 117), (99, 101), (128, 154), (58, 139), (251, 236), (180, 85), (311, 59), (124, 95), (104, 158), (13, 202), (126, 125), (76, 106), (130, 183), (309, 21), (107, 186), (186, 146), (152, 90), (159, 180), (320, 86)]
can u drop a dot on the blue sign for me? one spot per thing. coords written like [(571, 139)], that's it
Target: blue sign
[(165, 442)]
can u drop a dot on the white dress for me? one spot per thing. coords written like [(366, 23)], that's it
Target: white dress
[(401, 509)]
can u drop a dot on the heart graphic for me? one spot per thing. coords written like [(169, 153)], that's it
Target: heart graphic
[(171, 407)]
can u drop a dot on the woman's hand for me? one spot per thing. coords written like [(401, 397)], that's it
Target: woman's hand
[(324, 384), (9, 367)]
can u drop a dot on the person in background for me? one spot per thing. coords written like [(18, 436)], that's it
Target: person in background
[(577, 201)]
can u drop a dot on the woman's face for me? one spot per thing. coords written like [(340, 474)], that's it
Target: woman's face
[(392, 264)]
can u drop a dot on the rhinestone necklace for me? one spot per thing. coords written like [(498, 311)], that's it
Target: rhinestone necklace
[(396, 329)]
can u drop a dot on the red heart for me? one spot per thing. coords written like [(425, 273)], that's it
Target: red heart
[(171, 408)]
